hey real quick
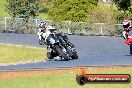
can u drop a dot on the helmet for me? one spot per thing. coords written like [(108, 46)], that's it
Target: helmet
[(126, 23), (42, 24)]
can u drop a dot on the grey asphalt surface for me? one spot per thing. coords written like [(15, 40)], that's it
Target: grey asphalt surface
[(92, 50)]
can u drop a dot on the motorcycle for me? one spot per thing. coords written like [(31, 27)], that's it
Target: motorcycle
[(59, 45), (128, 41)]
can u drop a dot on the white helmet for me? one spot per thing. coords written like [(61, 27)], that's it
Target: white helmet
[(126, 23), (42, 24)]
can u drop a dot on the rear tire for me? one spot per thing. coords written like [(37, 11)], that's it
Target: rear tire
[(59, 50), (131, 49)]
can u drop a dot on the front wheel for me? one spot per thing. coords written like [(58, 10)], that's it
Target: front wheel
[(50, 55), (131, 49), (61, 52)]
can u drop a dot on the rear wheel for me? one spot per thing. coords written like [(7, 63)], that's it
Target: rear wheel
[(61, 52), (131, 49)]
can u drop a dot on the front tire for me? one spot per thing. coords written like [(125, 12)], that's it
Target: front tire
[(49, 55), (60, 52)]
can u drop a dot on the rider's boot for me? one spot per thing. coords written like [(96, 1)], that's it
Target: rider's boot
[(40, 42)]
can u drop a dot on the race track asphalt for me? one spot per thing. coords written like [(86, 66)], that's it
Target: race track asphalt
[(92, 50)]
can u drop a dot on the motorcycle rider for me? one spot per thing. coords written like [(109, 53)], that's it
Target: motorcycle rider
[(127, 28), (42, 29), (48, 35), (45, 31)]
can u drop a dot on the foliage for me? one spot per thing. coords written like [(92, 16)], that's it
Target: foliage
[(74, 10), (124, 8), (23, 8), (122, 4), (104, 13), (44, 4)]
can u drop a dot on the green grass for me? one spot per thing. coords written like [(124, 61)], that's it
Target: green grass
[(13, 54), (3, 11), (66, 80)]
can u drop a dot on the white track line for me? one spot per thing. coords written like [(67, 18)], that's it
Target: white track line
[(18, 45)]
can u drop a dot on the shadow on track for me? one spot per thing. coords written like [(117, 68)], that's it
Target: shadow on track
[(129, 55), (59, 59)]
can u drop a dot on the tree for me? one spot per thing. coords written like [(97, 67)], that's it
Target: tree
[(23, 8), (122, 4), (104, 14), (74, 10)]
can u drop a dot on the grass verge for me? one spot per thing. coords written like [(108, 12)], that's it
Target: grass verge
[(60, 78), (14, 54), (3, 10)]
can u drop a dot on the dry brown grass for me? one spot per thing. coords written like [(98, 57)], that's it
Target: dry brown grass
[(38, 72)]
